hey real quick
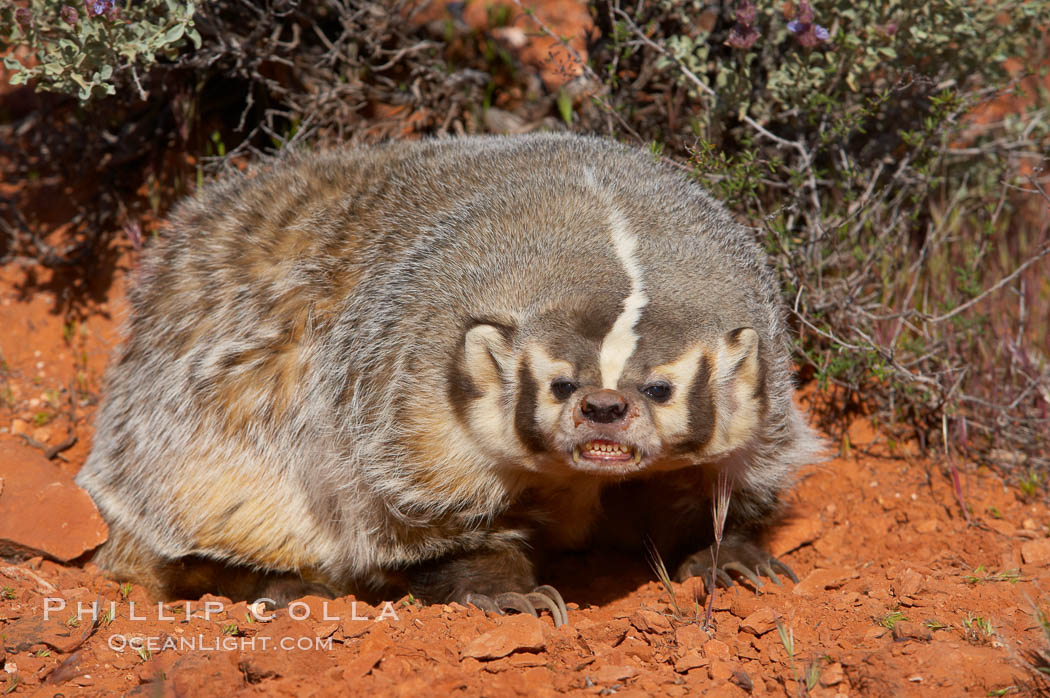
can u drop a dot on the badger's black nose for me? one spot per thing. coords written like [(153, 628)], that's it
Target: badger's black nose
[(604, 406)]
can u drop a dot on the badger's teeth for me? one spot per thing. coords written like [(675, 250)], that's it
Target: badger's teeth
[(575, 454), (637, 456)]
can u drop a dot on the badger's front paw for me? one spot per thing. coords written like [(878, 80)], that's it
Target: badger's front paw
[(542, 597), (278, 592), (746, 560)]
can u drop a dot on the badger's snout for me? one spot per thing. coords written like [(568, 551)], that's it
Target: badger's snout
[(603, 407)]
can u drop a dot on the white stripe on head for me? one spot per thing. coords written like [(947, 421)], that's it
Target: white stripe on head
[(620, 343)]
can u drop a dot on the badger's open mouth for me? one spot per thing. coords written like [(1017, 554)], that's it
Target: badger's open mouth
[(604, 451)]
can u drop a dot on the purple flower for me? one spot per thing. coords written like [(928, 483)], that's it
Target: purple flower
[(97, 8), (746, 12), (23, 16), (806, 31), (69, 15), (743, 34)]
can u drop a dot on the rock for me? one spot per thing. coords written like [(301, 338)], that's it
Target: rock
[(651, 622), (198, 674), (906, 630), (819, 580), (53, 632), (690, 636), (1036, 552), (520, 633), (284, 647), (608, 633), (613, 673), (794, 534), (908, 583), (42, 512), (361, 665), (689, 661), (716, 649), (720, 670), (19, 426), (832, 675), (760, 622)]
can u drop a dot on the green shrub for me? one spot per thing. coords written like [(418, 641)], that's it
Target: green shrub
[(88, 51)]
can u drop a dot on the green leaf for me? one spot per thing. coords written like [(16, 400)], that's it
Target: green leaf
[(174, 34), (565, 106)]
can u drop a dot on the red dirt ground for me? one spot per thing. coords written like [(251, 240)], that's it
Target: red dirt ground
[(877, 536)]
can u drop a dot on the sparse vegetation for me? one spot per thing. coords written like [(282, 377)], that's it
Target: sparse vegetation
[(656, 562), (977, 628), (890, 620), (980, 574)]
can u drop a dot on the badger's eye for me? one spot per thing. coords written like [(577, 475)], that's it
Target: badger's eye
[(657, 392), (563, 388)]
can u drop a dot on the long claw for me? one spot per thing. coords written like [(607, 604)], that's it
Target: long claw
[(724, 579), (765, 569), (485, 603), (782, 567), (513, 600), (542, 601), (751, 576), (551, 593)]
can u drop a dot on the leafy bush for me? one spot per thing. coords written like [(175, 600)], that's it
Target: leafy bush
[(86, 52)]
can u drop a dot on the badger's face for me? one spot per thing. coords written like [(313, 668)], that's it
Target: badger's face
[(552, 399)]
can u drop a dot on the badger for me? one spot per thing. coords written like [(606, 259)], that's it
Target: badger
[(423, 365)]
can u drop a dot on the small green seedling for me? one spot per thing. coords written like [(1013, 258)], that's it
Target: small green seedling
[(978, 628), (981, 574), (890, 620)]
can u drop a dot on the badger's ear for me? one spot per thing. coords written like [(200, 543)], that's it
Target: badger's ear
[(487, 354), (738, 356), (739, 391)]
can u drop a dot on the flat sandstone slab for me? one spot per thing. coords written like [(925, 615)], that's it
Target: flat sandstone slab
[(42, 511)]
